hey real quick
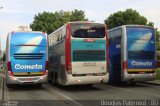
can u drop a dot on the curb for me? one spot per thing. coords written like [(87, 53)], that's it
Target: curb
[(1, 89), (152, 83)]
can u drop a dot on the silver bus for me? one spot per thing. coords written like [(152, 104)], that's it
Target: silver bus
[(78, 54)]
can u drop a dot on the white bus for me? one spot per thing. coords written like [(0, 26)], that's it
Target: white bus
[(78, 54)]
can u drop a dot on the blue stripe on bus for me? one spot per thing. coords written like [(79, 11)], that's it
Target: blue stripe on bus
[(80, 44)]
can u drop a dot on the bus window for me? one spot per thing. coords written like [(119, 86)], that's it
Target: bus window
[(88, 31), (140, 33), (141, 55)]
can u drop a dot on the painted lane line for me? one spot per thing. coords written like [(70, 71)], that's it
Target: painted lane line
[(63, 95)]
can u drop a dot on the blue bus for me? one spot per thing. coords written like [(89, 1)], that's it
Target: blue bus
[(26, 58), (132, 54), (78, 54)]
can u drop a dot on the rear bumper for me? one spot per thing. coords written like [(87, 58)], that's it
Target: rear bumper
[(139, 77), (71, 80), (26, 80)]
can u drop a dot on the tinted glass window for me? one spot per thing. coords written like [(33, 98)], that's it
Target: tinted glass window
[(25, 38), (88, 30), (140, 33), (115, 36), (141, 55)]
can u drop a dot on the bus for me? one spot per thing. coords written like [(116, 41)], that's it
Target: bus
[(158, 59), (132, 54), (78, 54), (26, 58)]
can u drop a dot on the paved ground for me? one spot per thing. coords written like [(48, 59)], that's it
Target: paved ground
[(1, 76), (1, 88), (98, 95), (47, 95), (155, 82)]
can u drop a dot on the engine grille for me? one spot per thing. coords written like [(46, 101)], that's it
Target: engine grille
[(88, 55), (28, 56)]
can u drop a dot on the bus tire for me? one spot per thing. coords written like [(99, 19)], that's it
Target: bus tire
[(55, 79), (9, 85), (89, 85), (38, 85), (50, 77), (133, 83)]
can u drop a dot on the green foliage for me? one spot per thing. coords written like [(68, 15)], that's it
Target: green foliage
[(157, 35), (125, 17), (158, 74), (157, 39), (130, 16), (77, 15), (49, 22)]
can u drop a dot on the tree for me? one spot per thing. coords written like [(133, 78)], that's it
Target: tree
[(157, 39), (128, 16), (49, 22), (77, 15)]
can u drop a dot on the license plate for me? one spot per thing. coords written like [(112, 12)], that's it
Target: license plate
[(89, 74), (28, 79)]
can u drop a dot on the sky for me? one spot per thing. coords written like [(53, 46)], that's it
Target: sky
[(17, 13)]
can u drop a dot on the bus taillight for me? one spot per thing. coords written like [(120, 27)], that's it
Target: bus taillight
[(107, 49), (124, 65), (46, 69), (45, 72), (47, 65), (68, 49), (9, 69)]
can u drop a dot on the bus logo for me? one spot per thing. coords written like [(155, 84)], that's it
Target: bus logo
[(36, 66), (134, 63)]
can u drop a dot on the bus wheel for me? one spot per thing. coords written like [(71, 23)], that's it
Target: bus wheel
[(132, 83), (38, 85), (55, 79), (9, 85), (89, 85), (50, 77)]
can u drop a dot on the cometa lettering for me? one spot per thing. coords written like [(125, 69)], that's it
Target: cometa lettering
[(36, 66), (134, 63)]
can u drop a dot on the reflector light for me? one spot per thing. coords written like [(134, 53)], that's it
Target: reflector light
[(89, 40), (68, 49), (124, 65), (9, 69)]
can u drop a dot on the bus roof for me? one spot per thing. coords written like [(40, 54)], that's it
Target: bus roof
[(27, 32), (130, 26), (89, 22), (78, 22)]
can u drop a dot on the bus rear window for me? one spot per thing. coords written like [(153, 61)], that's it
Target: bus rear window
[(142, 33), (88, 30), (141, 55), (27, 38)]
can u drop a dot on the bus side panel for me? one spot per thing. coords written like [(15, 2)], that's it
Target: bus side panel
[(115, 63), (60, 58), (115, 55)]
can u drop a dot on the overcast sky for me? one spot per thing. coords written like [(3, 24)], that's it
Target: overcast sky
[(21, 12)]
